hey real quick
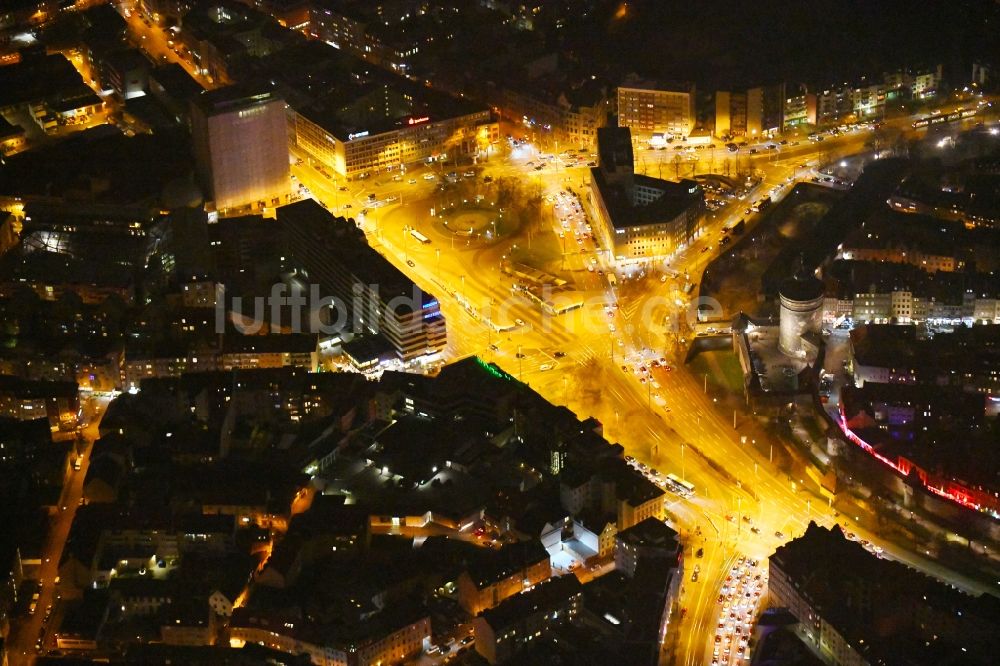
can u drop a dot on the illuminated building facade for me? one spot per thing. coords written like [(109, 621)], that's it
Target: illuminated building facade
[(241, 147), (357, 152), (648, 109), (800, 108), (389, 640), (639, 218), (551, 110), (801, 316), (730, 114), (511, 570)]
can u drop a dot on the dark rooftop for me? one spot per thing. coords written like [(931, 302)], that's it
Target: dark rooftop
[(651, 533), (542, 597), (614, 148), (347, 245), (619, 199), (233, 98), (291, 343), (802, 287), (891, 613), (494, 565)]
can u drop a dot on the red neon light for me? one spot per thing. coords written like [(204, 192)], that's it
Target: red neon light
[(417, 121), (904, 469)]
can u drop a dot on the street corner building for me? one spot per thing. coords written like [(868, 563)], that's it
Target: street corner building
[(639, 218)]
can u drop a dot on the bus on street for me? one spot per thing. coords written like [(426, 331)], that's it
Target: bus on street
[(685, 488)]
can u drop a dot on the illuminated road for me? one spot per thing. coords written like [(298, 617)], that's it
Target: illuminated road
[(742, 506), (155, 41), (26, 631)]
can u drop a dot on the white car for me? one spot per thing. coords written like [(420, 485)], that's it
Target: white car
[(429, 176), (546, 366)]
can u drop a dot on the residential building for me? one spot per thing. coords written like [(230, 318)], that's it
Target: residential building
[(765, 110), (487, 581), (187, 621), (221, 36), (360, 29), (502, 630), (649, 538), (967, 357), (648, 108), (613, 489), (26, 400), (799, 109), (832, 104), (868, 100), (555, 114), (857, 609), (248, 352), (391, 636), (926, 83)]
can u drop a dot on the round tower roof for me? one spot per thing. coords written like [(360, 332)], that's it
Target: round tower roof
[(802, 287)]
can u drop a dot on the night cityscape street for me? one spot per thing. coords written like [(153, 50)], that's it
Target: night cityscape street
[(476, 332)]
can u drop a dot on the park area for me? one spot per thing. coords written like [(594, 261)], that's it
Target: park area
[(734, 278)]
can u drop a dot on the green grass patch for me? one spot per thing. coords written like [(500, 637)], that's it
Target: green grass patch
[(723, 370)]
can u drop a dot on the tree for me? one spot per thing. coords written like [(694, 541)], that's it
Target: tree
[(677, 161)]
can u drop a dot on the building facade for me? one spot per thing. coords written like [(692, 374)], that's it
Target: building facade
[(648, 108), (801, 313), (241, 148), (799, 109), (413, 140), (500, 632), (394, 645), (377, 297), (555, 117), (730, 114)]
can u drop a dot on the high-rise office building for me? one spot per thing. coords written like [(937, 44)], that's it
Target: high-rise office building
[(240, 140)]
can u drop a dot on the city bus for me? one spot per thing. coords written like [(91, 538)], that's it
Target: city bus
[(679, 486), (566, 305), (420, 237)]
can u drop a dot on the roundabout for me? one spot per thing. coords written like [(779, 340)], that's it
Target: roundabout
[(476, 221)]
